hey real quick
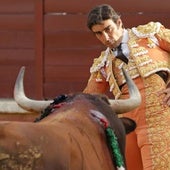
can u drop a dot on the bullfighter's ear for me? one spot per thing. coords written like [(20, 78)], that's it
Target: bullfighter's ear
[(129, 124)]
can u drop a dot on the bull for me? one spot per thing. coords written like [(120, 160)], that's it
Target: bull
[(69, 134)]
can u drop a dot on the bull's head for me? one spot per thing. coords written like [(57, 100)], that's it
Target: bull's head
[(120, 106)]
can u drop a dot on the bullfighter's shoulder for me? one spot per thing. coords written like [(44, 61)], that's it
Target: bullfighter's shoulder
[(147, 30), (99, 62)]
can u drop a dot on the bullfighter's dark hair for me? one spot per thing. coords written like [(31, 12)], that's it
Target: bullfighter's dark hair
[(101, 13)]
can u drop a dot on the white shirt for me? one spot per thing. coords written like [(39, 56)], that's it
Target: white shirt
[(124, 46)]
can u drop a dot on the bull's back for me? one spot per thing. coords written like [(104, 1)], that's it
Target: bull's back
[(51, 146)]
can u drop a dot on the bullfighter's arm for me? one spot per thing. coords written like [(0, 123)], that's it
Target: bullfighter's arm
[(163, 37), (95, 85)]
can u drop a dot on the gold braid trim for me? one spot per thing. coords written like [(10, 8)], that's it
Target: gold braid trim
[(114, 88), (100, 62), (106, 60)]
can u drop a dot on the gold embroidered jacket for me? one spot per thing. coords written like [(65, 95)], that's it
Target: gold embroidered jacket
[(149, 47)]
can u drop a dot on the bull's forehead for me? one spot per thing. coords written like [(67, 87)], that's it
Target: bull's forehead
[(77, 103), (97, 98)]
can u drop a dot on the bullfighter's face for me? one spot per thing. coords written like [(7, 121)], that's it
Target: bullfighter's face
[(109, 33)]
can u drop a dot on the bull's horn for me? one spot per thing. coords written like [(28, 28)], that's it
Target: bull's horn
[(23, 101), (120, 105), (126, 105)]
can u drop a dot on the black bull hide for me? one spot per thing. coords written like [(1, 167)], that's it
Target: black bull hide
[(70, 138)]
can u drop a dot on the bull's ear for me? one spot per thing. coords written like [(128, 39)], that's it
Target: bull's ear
[(129, 124)]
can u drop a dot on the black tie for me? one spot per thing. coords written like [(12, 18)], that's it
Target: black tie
[(120, 54)]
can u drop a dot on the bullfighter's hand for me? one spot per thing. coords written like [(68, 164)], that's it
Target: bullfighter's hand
[(166, 93)]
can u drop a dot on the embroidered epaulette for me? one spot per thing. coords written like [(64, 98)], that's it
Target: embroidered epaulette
[(142, 40), (99, 62), (148, 30)]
